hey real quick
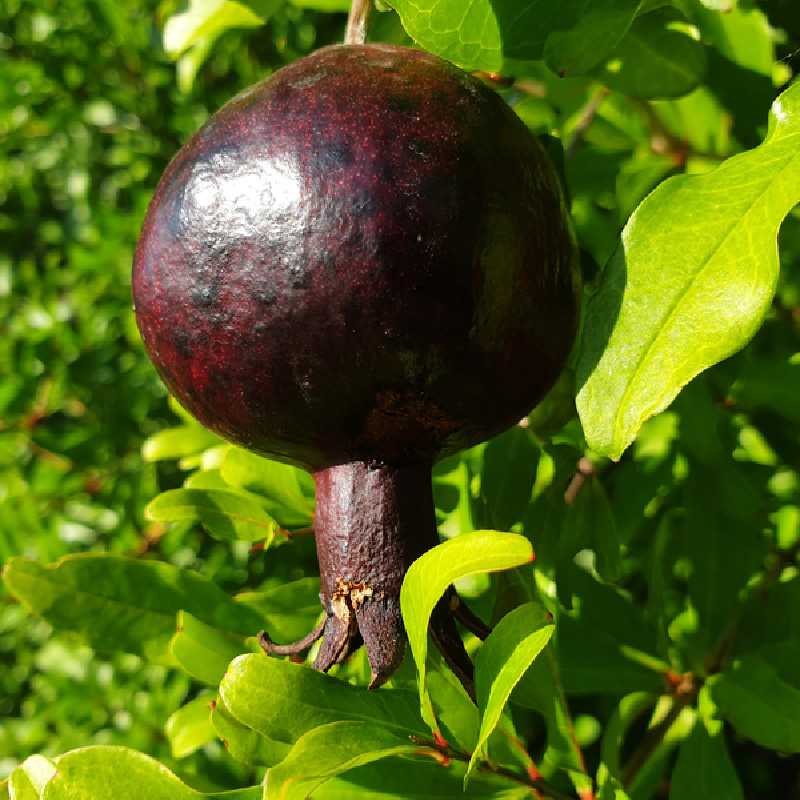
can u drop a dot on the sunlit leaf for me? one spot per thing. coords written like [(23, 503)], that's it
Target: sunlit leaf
[(431, 574), (502, 660), (227, 515), (689, 284)]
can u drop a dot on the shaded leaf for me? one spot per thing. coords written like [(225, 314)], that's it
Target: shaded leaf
[(391, 779), (704, 769), (658, 57), (431, 574), (509, 470), (759, 704), (689, 284)]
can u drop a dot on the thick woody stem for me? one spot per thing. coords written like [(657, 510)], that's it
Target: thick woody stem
[(356, 30), (371, 523)]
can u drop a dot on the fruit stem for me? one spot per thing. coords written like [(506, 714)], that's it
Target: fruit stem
[(372, 521), (356, 30)]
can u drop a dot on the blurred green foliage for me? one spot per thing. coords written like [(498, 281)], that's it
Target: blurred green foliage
[(680, 560)]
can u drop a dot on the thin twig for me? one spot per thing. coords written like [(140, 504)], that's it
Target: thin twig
[(538, 784), (585, 469), (585, 120), (356, 30)]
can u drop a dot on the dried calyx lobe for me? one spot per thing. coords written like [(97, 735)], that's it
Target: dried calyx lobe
[(360, 265)]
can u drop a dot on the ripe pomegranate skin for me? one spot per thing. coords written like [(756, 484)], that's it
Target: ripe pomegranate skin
[(360, 265), (363, 257)]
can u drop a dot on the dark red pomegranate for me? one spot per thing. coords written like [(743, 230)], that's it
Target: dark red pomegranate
[(359, 265)]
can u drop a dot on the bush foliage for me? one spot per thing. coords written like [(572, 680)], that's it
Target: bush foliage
[(652, 650)]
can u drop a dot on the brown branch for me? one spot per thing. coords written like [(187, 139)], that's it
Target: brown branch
[(586, 118), (356, 30), (585, 469)]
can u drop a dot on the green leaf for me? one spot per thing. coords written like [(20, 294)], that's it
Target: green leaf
[(431, 574), (608, 626), (190, 726), (289, 610), (509, 470), (724, 552), (246, 745), (759, 704), (203, 651), (179, 442), (589, 524), (611, 790), (286, 492), (20, 786), (391, 779), (205, 20), (323, 5), (284, 700), (501, 662), (573, 35), (659, 57), (689, 284), (226, 515), (102, 772), (120, 603), (704, 769), (29, 780), (599, 25), (329, 750)]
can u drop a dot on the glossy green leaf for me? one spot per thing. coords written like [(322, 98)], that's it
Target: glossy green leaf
[(20, 786), (102, 772), (190, 726), (329, 750), (689, 284), (759, 704), (284, 700), (203, 651), (431, 574), (244, 744), (29, 780), (287, 492), (502, 660), (573, 35), (659, 57), (390, 780), (226, 515), (704, 768), (207, 19), (289, 610), (120, 603), (178, 442)]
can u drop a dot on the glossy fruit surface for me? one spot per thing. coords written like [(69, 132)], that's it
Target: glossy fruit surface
[(364, 257)]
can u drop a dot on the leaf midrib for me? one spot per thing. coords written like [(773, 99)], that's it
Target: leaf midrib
[(684, 293)]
